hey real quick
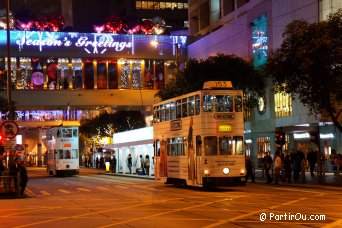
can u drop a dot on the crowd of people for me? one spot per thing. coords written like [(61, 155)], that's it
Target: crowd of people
[(141, 164), (13, 175), (291, 166)]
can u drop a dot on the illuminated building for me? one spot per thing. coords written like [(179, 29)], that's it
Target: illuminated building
[(249, 29)]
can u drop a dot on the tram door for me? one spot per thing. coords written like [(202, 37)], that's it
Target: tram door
[(198, 160)]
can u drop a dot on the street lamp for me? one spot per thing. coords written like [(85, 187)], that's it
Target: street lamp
[(156, 42)]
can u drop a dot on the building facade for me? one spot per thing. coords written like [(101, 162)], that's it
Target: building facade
[(249, 29)]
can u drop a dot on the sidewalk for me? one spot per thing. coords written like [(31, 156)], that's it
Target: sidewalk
[(327, 180), (128, 175)]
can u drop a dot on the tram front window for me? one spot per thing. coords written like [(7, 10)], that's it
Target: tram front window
[(225, 146), (210, 145)]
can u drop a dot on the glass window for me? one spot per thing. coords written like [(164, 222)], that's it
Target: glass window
[(172, 111), (167, 112), (210, 145), (198, 145), (191, 106), (138, 4), (184, 107), (223, 103), (197, 105), (67, 154), (238, 103), (162, 113), (238, 145), (162, 5), (178, 109), (207, 103), (67, 133), (180, 5), (74, 154), (74, 133), (225, 146), (60, 154)]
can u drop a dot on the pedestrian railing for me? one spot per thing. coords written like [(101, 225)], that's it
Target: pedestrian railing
[(9, 183)]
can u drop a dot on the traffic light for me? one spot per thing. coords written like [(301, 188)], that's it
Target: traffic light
[(280, 138)]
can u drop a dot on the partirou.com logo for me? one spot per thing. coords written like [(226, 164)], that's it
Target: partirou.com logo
[(290, 217)]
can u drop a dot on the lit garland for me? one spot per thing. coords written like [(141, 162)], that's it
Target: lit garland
[(136, 75), (124, 74)]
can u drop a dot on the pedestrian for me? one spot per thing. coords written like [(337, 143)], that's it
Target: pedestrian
[(142, 164), (250, 169), (23, 176), (277, 166), (267, 166), (97, 162), (2, 169), (312, 159), (129, 163), (12, 170), (296, 164), (147, 165), (138, 166), (287, 167), (113, 164)]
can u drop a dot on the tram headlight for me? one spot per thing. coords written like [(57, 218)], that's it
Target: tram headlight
[(226, 170), (206, 172), (242, 172)]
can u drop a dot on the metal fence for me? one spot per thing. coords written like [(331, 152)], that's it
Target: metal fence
[(9, 184)]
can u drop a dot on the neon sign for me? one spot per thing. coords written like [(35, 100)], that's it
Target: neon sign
[(72, 44)]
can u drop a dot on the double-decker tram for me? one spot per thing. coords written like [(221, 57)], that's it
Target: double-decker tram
[(198, 137), (62, 151)]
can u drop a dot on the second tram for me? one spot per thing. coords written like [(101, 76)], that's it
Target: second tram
[(62, 151)]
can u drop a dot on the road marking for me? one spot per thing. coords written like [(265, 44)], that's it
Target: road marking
[(45, 193), (30, 192), (64, 191), (84, 189)]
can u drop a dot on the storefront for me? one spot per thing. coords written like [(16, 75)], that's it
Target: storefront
[(135, 142)]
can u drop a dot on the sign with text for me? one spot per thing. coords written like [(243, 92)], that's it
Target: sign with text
[(9, 129)]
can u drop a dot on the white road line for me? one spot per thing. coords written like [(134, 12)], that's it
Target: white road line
[(45, 193), (63, 191), (84, 189), (102, 188)]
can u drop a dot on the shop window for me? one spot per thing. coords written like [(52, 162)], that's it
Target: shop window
[(101, 75), (264, 144), (77, 79), (124, 74), (283, 104), (37, 76), (88, 74), (136, 75), (112, 75)]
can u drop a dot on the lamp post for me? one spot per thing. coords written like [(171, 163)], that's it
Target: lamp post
[(9, 86), (156, 42)]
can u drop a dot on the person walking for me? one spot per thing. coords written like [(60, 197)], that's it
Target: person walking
[(113, 164), (250, 169), (287, 167), (142, 164), (312, 159), (267, 166), (129, 163), (23, 176), (277, 166), (147, 165)]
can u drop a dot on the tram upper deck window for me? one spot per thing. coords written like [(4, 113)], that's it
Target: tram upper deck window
[(167, 111), (74, 133), (191, 106), (172, 111), (223, 103), (178, 109), (185, 107), (67, 133), (225, 144), (207, 103), (238, 103), (210, 145), (162, 113), (197, 105), (156, 114)]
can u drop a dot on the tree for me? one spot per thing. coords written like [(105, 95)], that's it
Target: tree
[(308, 64), (216, 68), (106, 124)]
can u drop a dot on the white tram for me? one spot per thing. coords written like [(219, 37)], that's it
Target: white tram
[(62, 151), (198, 137)]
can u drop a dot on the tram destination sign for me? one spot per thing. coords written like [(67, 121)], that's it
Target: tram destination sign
[(176, 125), (224, 116)]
